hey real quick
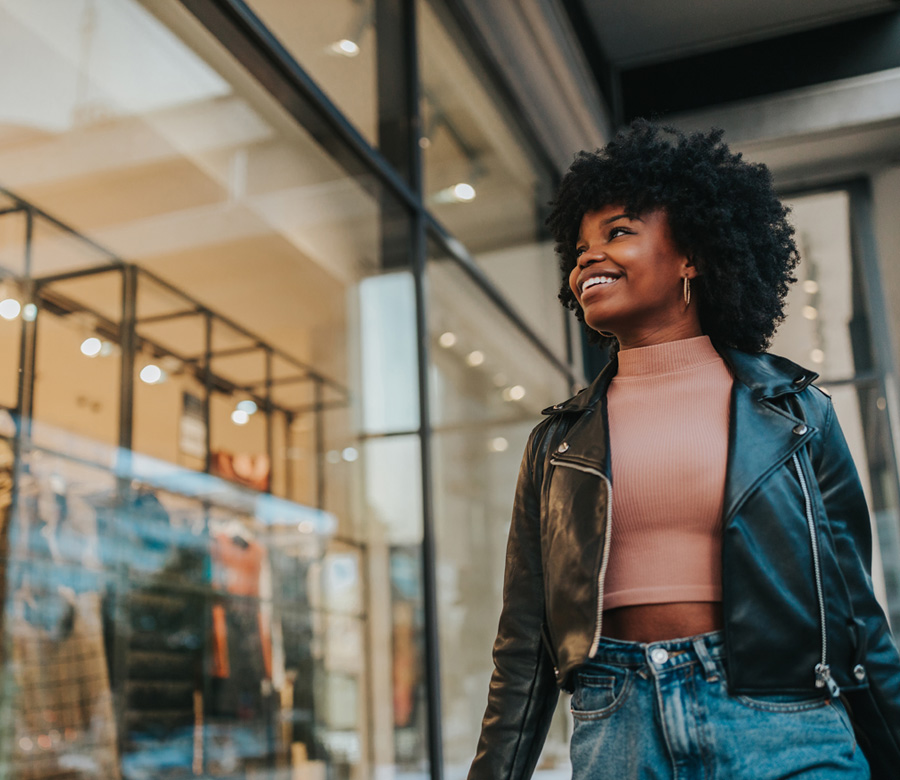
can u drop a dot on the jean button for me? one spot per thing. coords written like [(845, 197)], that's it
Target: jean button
[(659, 655)]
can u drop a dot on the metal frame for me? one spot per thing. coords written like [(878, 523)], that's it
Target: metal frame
[(39, 291)]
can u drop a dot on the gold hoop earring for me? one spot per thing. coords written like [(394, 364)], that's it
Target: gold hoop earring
[(687, 291)]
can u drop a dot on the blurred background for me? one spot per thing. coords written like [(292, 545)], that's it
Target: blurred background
[(278, 312)]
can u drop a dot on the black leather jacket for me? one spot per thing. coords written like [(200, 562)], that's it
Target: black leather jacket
[(799, 610)]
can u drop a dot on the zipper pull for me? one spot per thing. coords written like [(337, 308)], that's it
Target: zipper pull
[(824, 679)]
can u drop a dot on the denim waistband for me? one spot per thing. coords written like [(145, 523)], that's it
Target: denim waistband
[(669, 654)]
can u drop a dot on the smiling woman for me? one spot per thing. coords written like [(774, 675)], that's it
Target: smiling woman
[(718, 617)]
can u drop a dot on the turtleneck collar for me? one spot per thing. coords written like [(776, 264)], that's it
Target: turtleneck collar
[(666, 358)]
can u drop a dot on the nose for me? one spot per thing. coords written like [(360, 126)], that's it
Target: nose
[(590, 256)]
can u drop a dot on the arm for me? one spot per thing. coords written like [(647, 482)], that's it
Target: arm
[(876, 710), (523, 692)]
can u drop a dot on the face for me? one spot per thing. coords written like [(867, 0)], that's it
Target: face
[(629, 278)]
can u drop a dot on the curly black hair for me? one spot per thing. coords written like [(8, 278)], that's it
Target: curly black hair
[(722, 211)]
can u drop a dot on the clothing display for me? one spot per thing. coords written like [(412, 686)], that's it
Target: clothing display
[(667, 514), (65, 727), (253, 471)]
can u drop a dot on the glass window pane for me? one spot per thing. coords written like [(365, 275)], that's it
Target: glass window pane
[(481, 182), (488, 386), (240, 592), (335, 43)]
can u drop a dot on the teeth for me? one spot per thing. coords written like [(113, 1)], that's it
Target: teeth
[(595, 280)]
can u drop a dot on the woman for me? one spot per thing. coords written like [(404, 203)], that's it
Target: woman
[(716, 618)]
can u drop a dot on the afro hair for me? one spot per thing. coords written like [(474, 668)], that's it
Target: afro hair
[(723, 213)]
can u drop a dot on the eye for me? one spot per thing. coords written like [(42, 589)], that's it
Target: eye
[(618, 230), (579, 251)]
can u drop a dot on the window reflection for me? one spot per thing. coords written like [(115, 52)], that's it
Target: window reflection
[(482, 412), (203, 577)]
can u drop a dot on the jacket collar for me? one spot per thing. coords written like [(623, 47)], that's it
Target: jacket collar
[(765, 376)]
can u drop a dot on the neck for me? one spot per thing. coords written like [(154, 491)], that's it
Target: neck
[(646, 337)]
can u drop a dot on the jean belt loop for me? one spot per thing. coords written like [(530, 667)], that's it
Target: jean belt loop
[(709, 666)]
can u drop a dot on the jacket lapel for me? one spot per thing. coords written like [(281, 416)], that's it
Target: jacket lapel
[(762, 433)]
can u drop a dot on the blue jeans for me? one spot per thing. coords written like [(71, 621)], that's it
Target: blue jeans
[(661, 711)]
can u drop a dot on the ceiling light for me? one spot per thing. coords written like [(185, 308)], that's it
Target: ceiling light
[(349, 454), (91, 347), (514, 393), (345, 47), (248, 407), (498, 444), (29, 312), (10, 308), (810, 312), (447, 339), (306, 527), (811, 286), (817, 356), (464, 192), (240, 417), (152, 374), (457, 193), (475, 358)]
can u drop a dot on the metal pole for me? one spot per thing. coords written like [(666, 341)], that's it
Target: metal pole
[(319, 428), (270, 441), (207, 390), (128, 344)]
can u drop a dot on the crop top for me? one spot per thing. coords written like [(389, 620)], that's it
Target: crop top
[(668, 409)]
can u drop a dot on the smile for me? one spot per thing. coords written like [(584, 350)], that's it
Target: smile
[(595, 281)]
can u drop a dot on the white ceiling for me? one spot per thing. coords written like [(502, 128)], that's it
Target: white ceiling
[(645, 31)]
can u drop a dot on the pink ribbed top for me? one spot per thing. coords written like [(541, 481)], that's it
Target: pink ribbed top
[(668, 427)]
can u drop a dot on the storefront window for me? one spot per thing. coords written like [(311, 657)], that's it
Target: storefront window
[(209, 442), (480, 182), (488, 387)]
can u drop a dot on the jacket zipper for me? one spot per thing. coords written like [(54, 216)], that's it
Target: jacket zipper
[(604, 563), (822, 670)]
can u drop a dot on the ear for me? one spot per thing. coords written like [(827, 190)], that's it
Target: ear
[(689, 267)]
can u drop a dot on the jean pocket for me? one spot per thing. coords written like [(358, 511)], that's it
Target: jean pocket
[(599, 692), (783, 702), (843, 714)]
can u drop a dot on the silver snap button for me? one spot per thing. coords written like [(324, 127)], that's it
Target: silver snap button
[(557, 406), (563, 447), (800, 429), (859, 672), (800, 379), (659, 655)]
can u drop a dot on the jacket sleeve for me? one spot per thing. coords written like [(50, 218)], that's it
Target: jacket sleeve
[(523, 693), (876, 710)]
